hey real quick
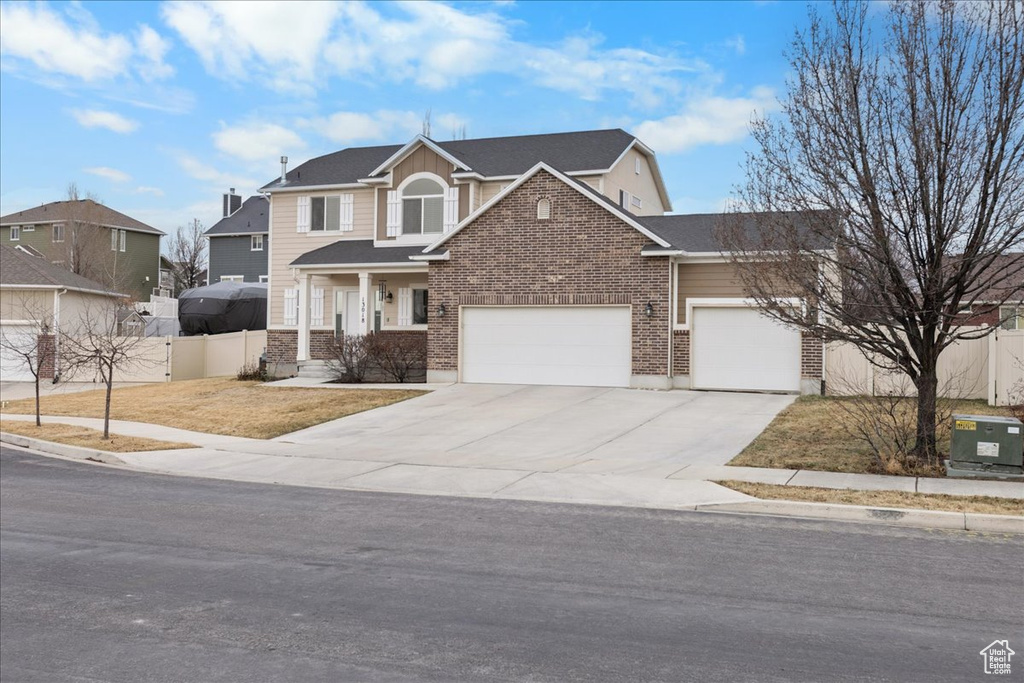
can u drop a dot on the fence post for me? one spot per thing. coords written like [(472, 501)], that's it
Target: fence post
[(206, 351), (167, 360), (993, 367)]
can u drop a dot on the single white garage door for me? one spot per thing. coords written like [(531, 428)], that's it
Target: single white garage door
[(738, 348), (12, 365), (573, 346)]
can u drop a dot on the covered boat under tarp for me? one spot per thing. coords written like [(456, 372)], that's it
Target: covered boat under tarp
[(223, 307)]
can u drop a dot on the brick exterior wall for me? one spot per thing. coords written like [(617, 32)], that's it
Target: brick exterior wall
[(282, 346), (812, 355), (45, 350), (320, 343), (582, 255), (680, 352)]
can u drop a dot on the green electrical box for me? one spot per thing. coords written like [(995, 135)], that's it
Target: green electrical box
[(986, 446)]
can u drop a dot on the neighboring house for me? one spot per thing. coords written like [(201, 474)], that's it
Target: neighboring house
[(34, 291), (92, 240), (542, 259), (1002, 305), (240, 241), (169, 284)]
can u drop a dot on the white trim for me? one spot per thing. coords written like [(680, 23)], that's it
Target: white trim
[(726, 302), (307, 188), (252, 242), (236, 234), (232, 278), (12, 237), (344, 268), (446, 256), (401, 328), (626, 217), (410, 146), (264, 278)]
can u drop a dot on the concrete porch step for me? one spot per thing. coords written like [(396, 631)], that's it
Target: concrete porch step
[(314, 369)]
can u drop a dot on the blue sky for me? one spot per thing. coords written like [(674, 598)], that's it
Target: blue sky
[(158, 108)]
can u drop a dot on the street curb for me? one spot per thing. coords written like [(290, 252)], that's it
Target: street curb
[(63, 450), (908, 517)]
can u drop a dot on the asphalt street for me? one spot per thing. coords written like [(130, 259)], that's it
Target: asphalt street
[(111, 575)]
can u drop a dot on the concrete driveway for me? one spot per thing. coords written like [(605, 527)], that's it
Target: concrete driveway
[(564, 429)]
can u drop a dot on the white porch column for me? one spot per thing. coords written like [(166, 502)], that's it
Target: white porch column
[(302, 352), (365, 303)]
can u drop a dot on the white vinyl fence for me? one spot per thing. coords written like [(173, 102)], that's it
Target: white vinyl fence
[(990, 369), (166, 359)]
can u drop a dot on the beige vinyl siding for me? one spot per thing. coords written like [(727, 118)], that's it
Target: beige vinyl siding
[(623, 176), (706, 280), (76, 308), (25, 304)]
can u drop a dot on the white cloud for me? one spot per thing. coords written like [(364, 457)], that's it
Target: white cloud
[(214, 177), (282, 39), (109, 173), (706, 120), (152, 47), (41, 36), (737, 44), (256, 141), (94, 118), (346, 127), (145, 189)]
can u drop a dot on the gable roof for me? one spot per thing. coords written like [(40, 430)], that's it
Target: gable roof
[(82, 210), (577, 185), (20, 270), (592, 150), (252, 218), (351, 252)]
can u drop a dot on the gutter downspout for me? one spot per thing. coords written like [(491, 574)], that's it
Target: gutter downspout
[(56, 333)]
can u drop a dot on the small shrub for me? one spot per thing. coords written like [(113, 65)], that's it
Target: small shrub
[(251, 371), (399, 356), (350, 358)]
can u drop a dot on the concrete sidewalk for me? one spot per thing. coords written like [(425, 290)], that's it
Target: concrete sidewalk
[(605, 482)]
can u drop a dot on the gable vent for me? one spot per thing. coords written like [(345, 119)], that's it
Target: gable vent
[(544, 209)]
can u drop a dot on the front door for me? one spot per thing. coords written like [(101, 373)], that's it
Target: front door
[(346, 312)]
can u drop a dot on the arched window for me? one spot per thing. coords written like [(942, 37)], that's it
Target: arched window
[(422, 207), (544, 209)]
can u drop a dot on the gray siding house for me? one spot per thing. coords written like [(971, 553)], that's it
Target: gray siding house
[(240, 241)]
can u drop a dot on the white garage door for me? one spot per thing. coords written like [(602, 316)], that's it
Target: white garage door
[(12, 365), (738, 348), (574, 346)]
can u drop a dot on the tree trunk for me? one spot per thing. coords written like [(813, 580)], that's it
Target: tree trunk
[(109, 381), (38, 421), (925, 446)]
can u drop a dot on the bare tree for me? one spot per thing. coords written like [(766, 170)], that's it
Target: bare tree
[(94, 344), (34, 351), (901, 149), (187, 253), (85, 246)]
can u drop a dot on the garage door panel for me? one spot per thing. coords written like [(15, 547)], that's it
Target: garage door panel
[(12, 365), (738, 348), (582, 346)]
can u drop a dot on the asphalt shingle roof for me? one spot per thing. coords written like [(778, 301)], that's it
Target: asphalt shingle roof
[(505, 156), (82, 210), (252, 218), (19, 268), (356, 251), (698, 232)]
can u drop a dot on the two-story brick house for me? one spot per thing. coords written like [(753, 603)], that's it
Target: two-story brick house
[(92, 240), (542, 259)]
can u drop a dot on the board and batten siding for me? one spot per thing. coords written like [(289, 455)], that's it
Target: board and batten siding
[(705, 280), (421, 160), (234, 256), (288, 244)]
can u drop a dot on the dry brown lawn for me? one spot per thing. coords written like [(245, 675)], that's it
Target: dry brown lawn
[(87, 438), (220, 406), (810, 435), (890, 499)]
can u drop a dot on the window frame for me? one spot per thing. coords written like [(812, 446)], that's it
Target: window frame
[(15, 235), (255, 240), (1016, 317), (123, 240), (421, 200), (232, 278), (426, 304), (58, 229), (264, 278), (324, 199)]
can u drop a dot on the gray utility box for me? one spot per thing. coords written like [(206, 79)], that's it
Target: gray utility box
[(986, 446)]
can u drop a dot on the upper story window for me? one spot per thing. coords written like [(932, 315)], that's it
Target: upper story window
[(1011, 318), (15, 233), (28, 228), (422, 207), (326, 213), (256, 243), (58, 233), (118, 239), (333, 213)]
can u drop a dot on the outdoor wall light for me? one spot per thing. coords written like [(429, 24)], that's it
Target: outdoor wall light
[(649, 309), (390, 297), (441, 310)]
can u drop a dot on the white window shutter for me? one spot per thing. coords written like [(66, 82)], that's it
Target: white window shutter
[(405, 306), (316, 308), (302, 217), (291, 307), (347, 212), (394, 214), (451, 208)]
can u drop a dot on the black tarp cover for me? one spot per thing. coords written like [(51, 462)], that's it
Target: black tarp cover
[(223, 307)]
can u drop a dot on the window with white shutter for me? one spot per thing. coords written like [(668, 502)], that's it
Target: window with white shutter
[(302, 217), (405, 306), (316, 307), (291, 307), (347, 212), (394, 223), (451, 208)]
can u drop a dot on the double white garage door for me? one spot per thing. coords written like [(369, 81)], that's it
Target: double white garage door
[(732, 348), (12, 365)]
